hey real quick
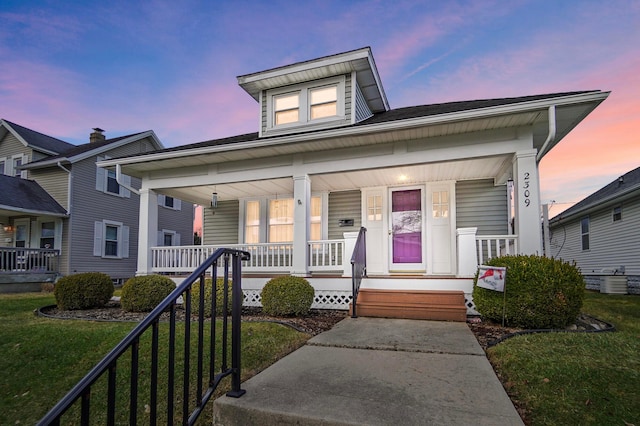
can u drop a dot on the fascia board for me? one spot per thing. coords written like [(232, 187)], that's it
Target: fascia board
[(372, 128)]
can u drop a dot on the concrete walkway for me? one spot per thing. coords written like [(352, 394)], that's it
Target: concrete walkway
[(376, 371)]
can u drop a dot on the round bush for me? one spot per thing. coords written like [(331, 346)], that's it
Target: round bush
[(541, 293), (144, 293), (283, 296), (195, 297), (83, 291)]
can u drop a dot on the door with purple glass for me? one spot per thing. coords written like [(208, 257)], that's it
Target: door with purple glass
[(406, 229)]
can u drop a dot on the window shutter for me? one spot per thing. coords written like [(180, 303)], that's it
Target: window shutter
[(124, 192), (125, 242), (97, 238), (176, 240), (100, 176), (160, 200), (177, 204), (160, 241)]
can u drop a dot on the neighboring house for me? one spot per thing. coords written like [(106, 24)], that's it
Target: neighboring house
[(602, 233), (432, 184), (55, 203)]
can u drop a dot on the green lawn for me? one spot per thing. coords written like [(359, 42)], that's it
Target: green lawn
[(41, 359), (578, 378)]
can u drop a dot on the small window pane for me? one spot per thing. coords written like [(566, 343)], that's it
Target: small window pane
[(281, 221), (324, 110), (287, 102), (1, 167), (374, 208), (316, 219), (112, 184), (284, 117), (168, 239), (252, 222), (168, 202)]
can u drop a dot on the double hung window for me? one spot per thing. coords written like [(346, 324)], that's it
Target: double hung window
[(110, 239), (584, 232), (276, 223)]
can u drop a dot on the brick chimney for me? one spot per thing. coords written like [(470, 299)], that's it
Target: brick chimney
[(97, 135)]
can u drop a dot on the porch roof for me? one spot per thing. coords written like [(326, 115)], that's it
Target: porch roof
[(22, 196), (419, 122)]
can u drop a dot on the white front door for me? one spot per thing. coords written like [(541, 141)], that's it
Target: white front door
[(407, 230), (440, 207), (22, 234)]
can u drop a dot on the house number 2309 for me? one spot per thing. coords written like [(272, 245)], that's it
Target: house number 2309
[(527, 192)]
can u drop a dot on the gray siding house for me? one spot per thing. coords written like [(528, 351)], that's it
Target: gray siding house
[(602, 233), (439, 188), (83, 218)]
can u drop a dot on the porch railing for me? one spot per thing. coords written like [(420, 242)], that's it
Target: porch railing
[(358, 267), (153, 357), (29, 260), (489, 246), (324, 255)]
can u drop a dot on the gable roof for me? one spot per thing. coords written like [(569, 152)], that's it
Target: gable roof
[(23, 195), (80, 152), (36, 140), (622, 188)]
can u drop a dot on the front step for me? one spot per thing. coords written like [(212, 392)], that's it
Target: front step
[(442, 305)]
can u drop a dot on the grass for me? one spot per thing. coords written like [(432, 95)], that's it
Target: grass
[(41, 359), (578, 378)]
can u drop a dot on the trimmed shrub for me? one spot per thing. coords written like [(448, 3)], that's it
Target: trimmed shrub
[(83, 291), (208, 289), (541, 293), (144, 293), (287, 296)]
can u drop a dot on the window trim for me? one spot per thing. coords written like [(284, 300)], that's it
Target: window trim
[(587, 234), (304, 103)]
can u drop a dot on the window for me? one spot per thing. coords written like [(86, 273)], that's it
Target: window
[(111, 239), (168, 238), (318, 101), (252, 222), (279, 216), (374, 208), (106, 182), (169, 202), (281, 220), (584, 230), (617, 214), (17, 162), (47, 235), (323, 102), (2, 167), (286, 108), (440, 201), (112, 185)]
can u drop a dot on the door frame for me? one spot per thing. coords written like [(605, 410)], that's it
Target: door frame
[(407, 267)]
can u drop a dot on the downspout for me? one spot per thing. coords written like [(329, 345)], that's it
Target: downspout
[(119, 180), (67, 264), (552, 133)]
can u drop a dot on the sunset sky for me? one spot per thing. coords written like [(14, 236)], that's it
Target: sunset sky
[(171, 66)]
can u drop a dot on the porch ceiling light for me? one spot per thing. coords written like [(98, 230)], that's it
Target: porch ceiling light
[(403, 178), (7, 228)]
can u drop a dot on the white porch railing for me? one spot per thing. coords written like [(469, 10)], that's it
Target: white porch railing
[(489, 246), (325, 255)]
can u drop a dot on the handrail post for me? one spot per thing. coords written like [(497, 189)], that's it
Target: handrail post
[(236, 315)]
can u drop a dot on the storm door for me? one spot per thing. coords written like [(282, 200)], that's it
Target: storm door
[(407, 234)]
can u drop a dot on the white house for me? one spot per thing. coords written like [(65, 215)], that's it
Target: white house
[(602, 234), (431, 184)]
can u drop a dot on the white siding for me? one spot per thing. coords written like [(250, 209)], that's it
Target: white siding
[(611, 244)]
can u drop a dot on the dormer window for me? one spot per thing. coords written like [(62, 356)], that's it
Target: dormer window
[(313, 104)]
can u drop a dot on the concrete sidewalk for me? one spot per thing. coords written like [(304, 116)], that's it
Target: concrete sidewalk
[(376, 371)]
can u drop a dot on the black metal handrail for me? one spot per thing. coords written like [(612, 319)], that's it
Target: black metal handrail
[(358, 267), (82, 390)]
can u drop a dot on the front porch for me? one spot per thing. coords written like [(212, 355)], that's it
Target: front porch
[(329, 267), (25, 269)]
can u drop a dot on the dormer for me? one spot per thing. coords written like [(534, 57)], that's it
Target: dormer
[(323, 93)]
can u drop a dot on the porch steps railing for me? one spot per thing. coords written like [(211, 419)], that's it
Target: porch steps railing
[(442, 305), (358, 268), (179, 375)]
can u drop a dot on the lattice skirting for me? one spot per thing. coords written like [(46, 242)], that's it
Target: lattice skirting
[(324, 299), (471, 307)]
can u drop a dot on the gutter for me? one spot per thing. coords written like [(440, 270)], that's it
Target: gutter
[(119, 180), (551, 137)]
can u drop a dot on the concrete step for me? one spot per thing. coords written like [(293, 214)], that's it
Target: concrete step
[(412, 304)]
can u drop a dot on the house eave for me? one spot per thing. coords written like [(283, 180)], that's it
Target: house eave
[(18, 210), (540, 106), (609, 201)]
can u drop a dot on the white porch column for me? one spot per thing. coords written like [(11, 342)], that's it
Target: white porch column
[(301, 224), (467, 252), (527, 203), (147, 230)]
